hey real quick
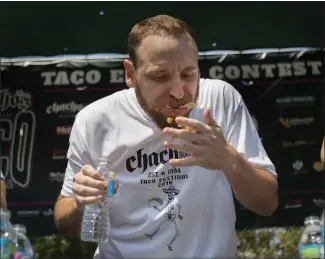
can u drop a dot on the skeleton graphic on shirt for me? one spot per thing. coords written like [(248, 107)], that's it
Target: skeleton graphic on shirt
[(171, 210)]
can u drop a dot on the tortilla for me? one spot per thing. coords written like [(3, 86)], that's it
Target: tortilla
[(188, 105)]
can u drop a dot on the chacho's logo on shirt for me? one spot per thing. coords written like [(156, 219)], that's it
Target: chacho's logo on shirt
[(143, 160)]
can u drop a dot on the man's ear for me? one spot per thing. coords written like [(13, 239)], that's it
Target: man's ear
[(129, 73)]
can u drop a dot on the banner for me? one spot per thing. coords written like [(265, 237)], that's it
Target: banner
[(37, 110), (282, 90), (284, 94)]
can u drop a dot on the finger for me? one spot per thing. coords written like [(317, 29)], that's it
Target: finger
[(181, 133), (186, 147), (188, 161), (218, 129), (86, 191), (90, 182), (91, 172), (88, 200), (193, 124), (208, 119), (218, 132)]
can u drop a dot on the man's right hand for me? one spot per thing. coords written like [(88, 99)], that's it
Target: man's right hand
[(88, 187)]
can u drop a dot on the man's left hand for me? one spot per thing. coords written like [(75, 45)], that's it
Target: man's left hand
[(205, 142)]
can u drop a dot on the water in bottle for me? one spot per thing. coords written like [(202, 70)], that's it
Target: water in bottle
[(322, 219), (8, 237), (24, 249), (96, 220), (311, 242)]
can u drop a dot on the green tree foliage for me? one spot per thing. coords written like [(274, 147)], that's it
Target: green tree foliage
[(268, 243)]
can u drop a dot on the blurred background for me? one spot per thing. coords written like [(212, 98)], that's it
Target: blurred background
[(52, 28), (57, 57)]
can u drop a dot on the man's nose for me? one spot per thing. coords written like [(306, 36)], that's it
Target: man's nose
[(177, 89)]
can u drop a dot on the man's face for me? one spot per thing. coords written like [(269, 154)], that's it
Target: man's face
[(166, 77)]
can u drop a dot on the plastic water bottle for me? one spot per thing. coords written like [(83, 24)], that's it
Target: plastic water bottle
[(24, 249), (322, 219), (96, 220), (8, 237), (311, 243)]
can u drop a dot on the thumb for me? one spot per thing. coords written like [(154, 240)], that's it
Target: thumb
[(208, 117)]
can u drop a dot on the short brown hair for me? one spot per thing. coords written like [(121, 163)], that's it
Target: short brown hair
[(162, 25)]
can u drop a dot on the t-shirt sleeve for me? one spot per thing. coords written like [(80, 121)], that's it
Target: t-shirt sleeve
[(242, 135), (1, 175), (77, 156)]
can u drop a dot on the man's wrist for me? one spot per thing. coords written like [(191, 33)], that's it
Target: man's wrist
[(238, 167), (232, 161), (3, 202)]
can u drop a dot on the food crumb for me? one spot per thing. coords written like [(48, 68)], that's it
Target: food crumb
[(169, 120)]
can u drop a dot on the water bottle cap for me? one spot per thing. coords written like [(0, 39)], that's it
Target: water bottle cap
[(312, 220), (20, 228), (112, 174)]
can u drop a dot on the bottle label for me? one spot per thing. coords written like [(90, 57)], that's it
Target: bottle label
[(311, 251), (111, 188), (22, 255), (7, 248), (19, 255)]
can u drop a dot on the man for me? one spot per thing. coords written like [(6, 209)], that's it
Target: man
[(177, 166), (3, 200)]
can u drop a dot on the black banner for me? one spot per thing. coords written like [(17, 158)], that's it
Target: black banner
[(283, 92)]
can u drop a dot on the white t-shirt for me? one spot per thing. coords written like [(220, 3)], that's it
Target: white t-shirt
[(160, 211)]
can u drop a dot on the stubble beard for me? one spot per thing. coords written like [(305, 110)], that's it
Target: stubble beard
[(159, 118)]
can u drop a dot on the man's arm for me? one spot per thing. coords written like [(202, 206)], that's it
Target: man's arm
[(3, 199), (255, 189), (322, 152), (252, 175), (67, 216)]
